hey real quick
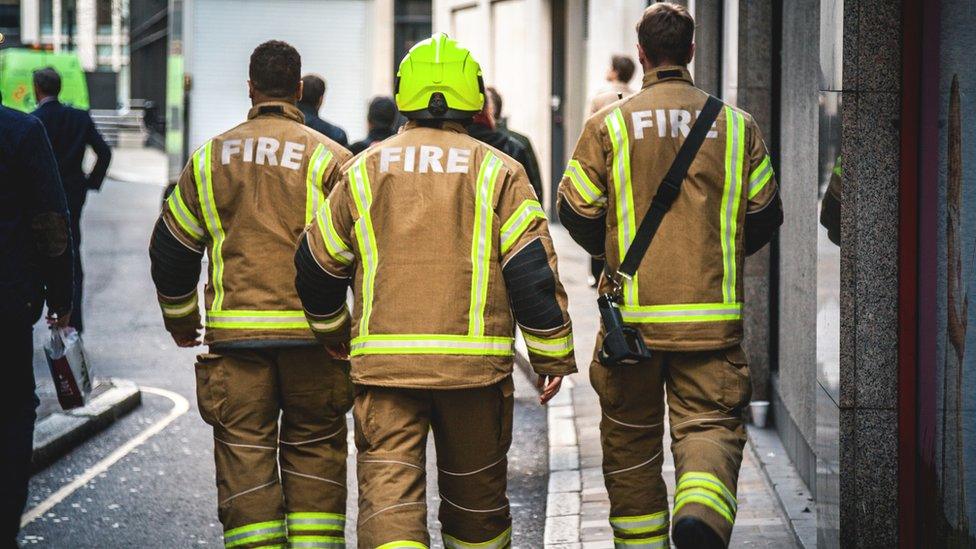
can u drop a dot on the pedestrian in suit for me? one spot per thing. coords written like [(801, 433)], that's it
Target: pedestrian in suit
[(71, 131), (35, 263)]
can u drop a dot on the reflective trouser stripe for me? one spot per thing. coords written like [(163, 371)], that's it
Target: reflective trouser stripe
[(403, 545), (657, 542), (180, 309), (704, 497), (202, 160), (731, 195), (690, 312), (183, 215), (481, 243), (644, 524), (324, 542), (330, 323), (552, 347), (424, 344), (501, 541), (256, 532), (760, 176), (363, 197), (626, 221), (333, 242), (308, 521), (257, 320), (314, 193), (708, 481), (517, 224), (589, 192)]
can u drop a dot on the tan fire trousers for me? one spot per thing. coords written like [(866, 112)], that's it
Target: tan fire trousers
[(472, 433), (242, 394), (706, 392)]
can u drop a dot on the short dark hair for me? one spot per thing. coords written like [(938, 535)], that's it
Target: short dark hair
[(275, 69), (313, 89), (666, 32), (496, 100), (48, 81), (382, 112), (624, 67)]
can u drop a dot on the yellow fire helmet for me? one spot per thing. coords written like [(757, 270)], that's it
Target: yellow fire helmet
[(439, 79)]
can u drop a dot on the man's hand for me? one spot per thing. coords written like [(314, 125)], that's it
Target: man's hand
[(189, 338), (338, 351), (59, 320), (550, 388)]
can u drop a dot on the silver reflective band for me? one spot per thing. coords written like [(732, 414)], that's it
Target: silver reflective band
[(432, 345), (659, 542), (253, 533), (732, 309), (501, 542), (639, 525)]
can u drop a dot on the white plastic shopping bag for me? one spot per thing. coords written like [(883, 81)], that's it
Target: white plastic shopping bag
[(69, 367)]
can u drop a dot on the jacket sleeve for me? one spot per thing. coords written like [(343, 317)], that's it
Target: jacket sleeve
[(582, 201), (528, 261), (49, 217), (175, 252), (324, 263), (103, 154), (764, 213)]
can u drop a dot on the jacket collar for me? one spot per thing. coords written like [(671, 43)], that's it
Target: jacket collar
[(448, 125), (276, 108), (48, 101), (665, 73)]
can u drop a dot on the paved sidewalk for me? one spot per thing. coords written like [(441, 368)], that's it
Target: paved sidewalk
[(578, 505)]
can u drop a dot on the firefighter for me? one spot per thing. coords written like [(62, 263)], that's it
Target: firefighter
[(686, 298), (443, 243), (244, 199)]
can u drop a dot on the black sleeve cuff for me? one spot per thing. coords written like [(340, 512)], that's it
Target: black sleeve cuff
[(590, 233), (762, 224), (175, 268), (321, 293)]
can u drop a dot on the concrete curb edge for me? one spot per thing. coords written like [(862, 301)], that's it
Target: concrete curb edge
[(57, 434), (564, 495)]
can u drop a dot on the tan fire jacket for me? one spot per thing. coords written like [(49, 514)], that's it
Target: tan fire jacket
[(687, 294), (245, 198), (445, 242)]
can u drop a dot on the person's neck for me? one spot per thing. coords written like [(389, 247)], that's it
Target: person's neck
[(650, 67), (46, 99), (257, 99)]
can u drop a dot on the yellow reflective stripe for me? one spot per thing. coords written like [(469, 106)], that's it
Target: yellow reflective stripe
[(556, 347), (704, 497), (626, 221), (735, 135), (183, 215), (255, 532), (403, 545), (256, 320), (702, 479), (316, 542), (643, 524), (690, 312), (500, 541), (516, 225), (481, 242), (431, 344), (333, 242), (328, 324), (363, 197), (314, 193), (760, 176), (838, 170), (589, 192), (656, 542), (180, 309), (202, 170)]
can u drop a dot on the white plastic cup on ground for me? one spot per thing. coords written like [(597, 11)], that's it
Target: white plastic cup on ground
[(760, 411)]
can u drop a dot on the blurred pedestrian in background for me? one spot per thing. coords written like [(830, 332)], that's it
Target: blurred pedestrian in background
[(35, 263), (531, 163), (618, 77), (381, 120), (71, 131), (482, 128), (313, 97)]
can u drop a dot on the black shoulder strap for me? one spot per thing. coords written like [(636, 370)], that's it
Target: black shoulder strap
[(670, 187)]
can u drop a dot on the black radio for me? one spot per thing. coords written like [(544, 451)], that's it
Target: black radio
[(622, 345)]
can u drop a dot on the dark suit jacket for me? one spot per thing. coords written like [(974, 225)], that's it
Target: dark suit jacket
[(35, 249), (71, 131), (331, 131)]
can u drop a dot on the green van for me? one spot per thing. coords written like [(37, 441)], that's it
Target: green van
[(16, 72)]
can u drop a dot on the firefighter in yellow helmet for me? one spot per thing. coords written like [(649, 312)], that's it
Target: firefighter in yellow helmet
[(446, 248), (686, 297), (244, 199)]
